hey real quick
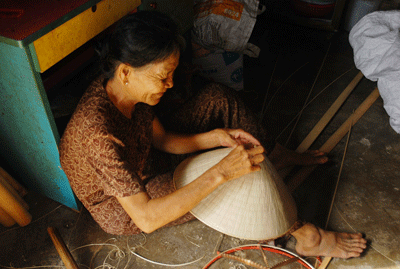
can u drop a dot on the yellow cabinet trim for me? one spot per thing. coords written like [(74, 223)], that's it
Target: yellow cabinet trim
[(60, 42)]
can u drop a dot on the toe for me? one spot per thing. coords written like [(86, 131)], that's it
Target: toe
[(355, 235), (352, 254), (315, 152), (322, 160)]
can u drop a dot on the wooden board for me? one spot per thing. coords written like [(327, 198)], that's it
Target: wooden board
[(63, 40)]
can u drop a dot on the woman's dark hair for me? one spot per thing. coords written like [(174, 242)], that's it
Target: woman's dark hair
[(139, 39)]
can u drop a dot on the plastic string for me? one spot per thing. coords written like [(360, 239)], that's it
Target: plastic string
[(133, 249), (336, 187), (309, 93), (119, 256), (74, 228), (15, 228), (269, 85), (337, 182), (265, 107), (164, 264), (315, 97), (118, 253), (188, 239), (344, 219)]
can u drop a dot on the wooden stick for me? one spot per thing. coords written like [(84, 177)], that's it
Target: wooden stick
[(5, 219), (62, 249), (15, 184), (13, 207), (319, 127), (305, 171), (10, 188), (325, 262), (341, 132), (219, 242)]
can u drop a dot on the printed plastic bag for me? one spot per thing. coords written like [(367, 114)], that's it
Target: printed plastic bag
[(224, 24)]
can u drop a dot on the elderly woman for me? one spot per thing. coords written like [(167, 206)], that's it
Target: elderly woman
[(119, 158)]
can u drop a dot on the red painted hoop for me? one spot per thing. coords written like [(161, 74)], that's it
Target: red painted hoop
[(264, 247)]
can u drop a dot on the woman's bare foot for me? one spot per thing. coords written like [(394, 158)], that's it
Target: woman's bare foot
[(313, 241), (282, 157)]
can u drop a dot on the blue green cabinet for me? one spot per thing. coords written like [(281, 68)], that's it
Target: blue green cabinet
[(28, 133)]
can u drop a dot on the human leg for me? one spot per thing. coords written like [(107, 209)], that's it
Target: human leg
[(217, 106), (314, 241), (282, 157)]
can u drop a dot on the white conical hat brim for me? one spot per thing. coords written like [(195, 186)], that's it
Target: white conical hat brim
[(256, 206)]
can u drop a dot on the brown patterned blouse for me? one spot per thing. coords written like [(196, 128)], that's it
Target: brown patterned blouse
[(106, 155), (103, 153)]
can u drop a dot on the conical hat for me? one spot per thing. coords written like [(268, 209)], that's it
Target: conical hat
[(256, 206)]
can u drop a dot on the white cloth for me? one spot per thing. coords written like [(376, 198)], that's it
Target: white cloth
[(375, 40)]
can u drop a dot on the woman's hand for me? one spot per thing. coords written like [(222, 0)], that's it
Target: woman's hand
[(234, 137), (240, 161)]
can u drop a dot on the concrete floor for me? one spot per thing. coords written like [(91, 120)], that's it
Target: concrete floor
[(367, 198)]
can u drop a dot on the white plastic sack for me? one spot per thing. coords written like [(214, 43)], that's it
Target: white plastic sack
[(224, 24), (375, 40), (223, 67)]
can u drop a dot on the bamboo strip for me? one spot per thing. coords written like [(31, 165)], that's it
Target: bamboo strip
[(5, 219), (337, 181), (10, 188), (309, 93), (62, 249), (305, 171), (319, 127), (15, 184), (13, 208)]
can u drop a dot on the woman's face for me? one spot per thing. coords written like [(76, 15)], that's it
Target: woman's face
[(148, 84)]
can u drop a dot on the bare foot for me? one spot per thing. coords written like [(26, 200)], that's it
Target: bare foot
[(282, 157), (313, 241)]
